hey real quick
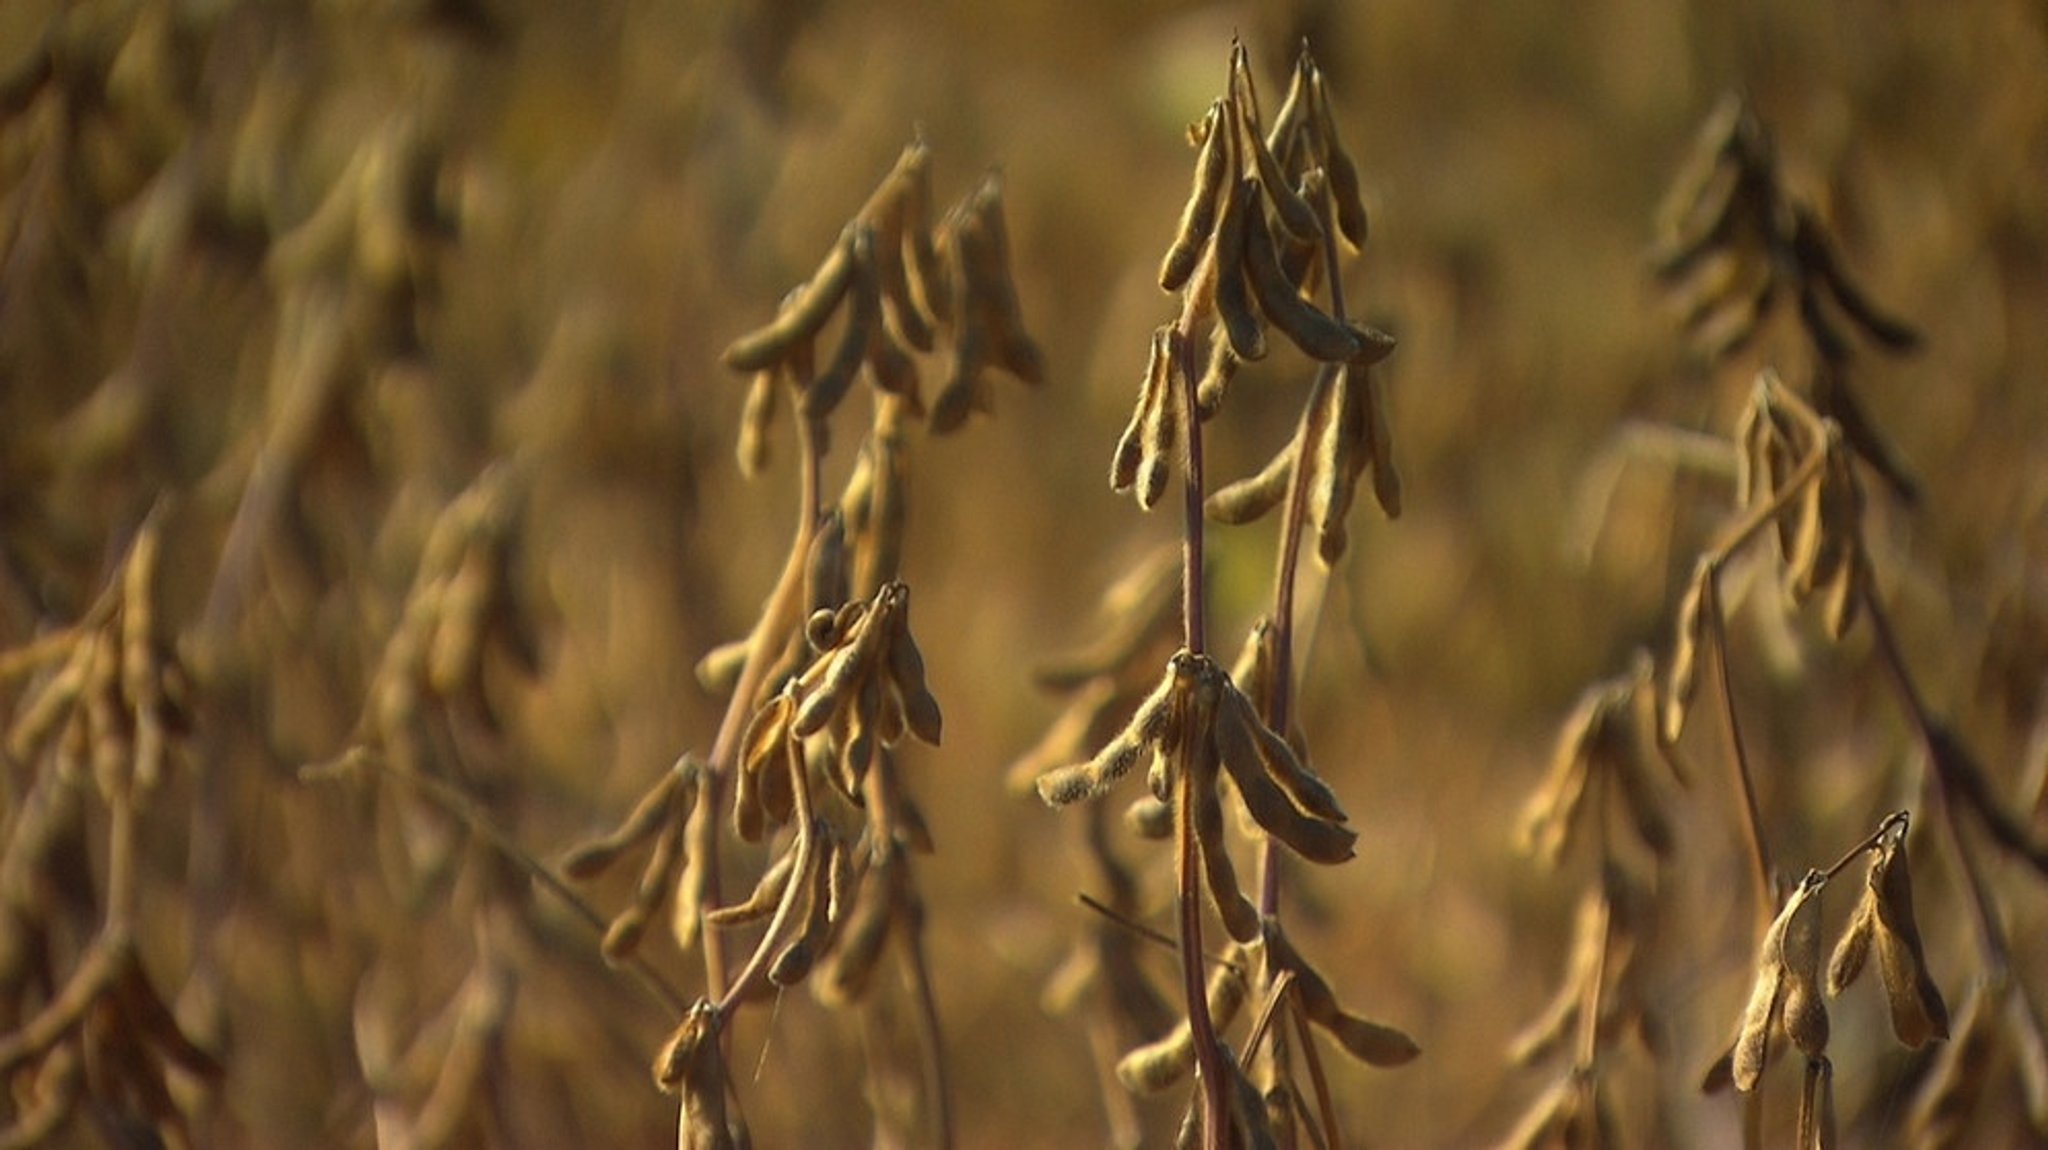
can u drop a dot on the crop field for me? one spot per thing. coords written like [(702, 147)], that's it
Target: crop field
[(828, 573)]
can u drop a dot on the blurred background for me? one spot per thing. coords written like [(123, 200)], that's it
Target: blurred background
[(302, 271)]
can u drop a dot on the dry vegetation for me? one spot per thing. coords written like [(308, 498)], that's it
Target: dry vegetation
[(377, 749)]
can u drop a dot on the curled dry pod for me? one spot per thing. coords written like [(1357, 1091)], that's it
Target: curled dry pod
[(926, 268), (825, 582), (1884, 917), (1379, 435), (1285, 768), (692, 1064), (1294, 119), (1087, 780), (1306, 326), (1157, 1065), (1160, 432), (1293, 212), (1150, 818), (766, 895), (1372, 1043), (1682, 677), (756, 417), (1227, 259), (801, 315), (1217, 373), (1130, 447), (1313, 837), (1240, 917), (864, 931), (1551, 816), (822, 394), (906, 318), (830, 683), (1701, 199), (1817, 255), (1345, 189), (671, 795), (1198, 216), (795, 959), (985, 257), (1786, 986), (719, 670), (1341, 456), (1253, 496), (906, 668)]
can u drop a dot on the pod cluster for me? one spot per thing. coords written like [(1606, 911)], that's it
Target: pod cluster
[(900, 284), (1196, 722), (1732, 243)]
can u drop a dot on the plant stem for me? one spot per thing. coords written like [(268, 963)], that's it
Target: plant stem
[(1278, 704), (931, 1039), (1187, 869), (779, 616), (1187, 884), (1991, 939), (1738, 758)]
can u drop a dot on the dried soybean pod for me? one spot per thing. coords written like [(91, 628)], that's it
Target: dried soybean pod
[(803, 314), (1344, 185), (1683, 676), (1157, 1065), (1142, 732), (825, 583), (1311, 838), (863, 933), (1160, 432), (1216, 376), (928, 271), (1255, 495), (906, 669), (1309, 328), (1227, 255), (891, 226), (823, 394), (1302, 263), (1131, 446), (1917, 1011), (766, 896), (1198, 216), (1297, 218), (1285, 137), (892, 369), (795, 959), (1386, 479), (755, 419), (1806, 1014), (1308, 792), (1372, 1043), (1240, 917), (674, 791)]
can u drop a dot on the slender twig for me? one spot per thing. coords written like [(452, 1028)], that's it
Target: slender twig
[(1898, 819)]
